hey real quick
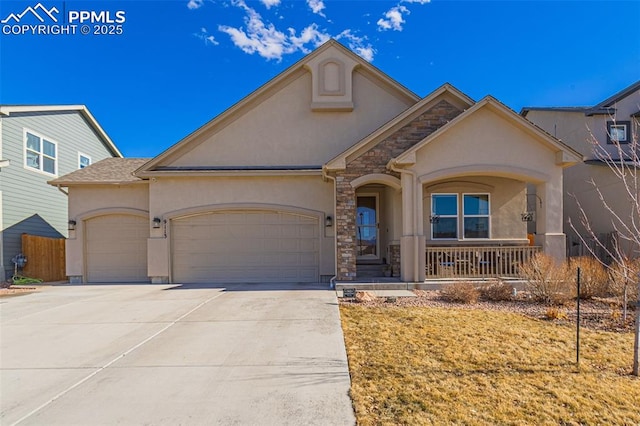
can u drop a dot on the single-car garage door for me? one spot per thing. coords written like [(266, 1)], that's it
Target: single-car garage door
[(116, 248), (245, 246)]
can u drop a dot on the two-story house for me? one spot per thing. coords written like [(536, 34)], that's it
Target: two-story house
[(606, 130), (39, 143)]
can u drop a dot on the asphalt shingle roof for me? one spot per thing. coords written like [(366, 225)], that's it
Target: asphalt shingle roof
[(109, 170)]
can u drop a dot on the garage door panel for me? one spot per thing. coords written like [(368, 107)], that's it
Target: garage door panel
[(116, 248), (235, 246)]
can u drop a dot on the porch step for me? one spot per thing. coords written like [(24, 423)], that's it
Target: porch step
[(361, 286), (369, 271)]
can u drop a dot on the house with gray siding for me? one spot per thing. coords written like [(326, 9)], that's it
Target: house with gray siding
[(38, 143)]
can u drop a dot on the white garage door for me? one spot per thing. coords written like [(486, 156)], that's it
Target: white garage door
[(116, 247), (245, 246)]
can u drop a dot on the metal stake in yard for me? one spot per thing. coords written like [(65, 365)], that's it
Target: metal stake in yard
[(636, 339), (578, 320)]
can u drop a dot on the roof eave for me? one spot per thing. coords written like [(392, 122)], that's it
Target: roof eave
[(227, 173), (67, 184)]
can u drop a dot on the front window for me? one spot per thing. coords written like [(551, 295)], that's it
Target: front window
[(444, 216), (476, 215), (40, 153), (618, 132)]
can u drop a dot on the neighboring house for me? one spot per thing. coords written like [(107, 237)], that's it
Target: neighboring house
[(614, 119), (330, 165), (37, 144)]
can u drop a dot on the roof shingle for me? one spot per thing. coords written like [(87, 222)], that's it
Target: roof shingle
[(109, 170)]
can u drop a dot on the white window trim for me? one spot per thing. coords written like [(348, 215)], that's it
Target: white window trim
[(463, 216), (457, 216), (42, 138), (82, 154)]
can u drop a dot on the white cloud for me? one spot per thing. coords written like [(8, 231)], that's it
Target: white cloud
[(269, 3), (263, 39), (266, 40), (195, 4), (394, 19), (317, 6), (417, 1), (310, 34), (358, 44), (260, 36), (206, 37)]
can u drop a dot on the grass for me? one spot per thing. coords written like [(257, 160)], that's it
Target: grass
[(423, 366)]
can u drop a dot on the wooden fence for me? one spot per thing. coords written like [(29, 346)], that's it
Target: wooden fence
[(45, 258)]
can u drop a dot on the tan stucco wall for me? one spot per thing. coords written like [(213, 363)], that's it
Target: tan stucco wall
[(283, 130), (576, 130), (507, 200), (176, 197), (474, 144), (86, 202)]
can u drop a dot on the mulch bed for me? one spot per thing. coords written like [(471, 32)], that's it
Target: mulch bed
[(595, 314)]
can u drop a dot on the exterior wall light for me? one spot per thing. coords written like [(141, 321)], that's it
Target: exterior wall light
[(156, 222), (72, 225), (328, 222)]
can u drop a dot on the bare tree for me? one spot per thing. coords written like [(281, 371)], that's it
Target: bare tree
[(623, 160)]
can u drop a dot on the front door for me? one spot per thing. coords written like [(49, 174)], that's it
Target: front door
[(367, 227)]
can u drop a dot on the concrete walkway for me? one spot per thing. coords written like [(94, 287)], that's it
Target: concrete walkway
[(165, 355)]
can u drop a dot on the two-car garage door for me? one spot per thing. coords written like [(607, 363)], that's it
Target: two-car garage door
[(245, 246)]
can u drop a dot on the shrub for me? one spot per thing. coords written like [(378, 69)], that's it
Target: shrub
[(547, 281), (624, 276), (594, 280), (496, 291), (460, 292), (555, 313)]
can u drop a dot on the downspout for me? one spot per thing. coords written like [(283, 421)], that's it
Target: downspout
[(332, 281), (416, 265)]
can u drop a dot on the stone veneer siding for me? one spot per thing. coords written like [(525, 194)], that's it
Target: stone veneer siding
[(375, 161), (394, 250)]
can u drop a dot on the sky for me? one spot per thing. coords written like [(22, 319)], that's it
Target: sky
[(166, 67)]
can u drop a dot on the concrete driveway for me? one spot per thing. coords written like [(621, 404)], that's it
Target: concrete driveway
[(173, 355)]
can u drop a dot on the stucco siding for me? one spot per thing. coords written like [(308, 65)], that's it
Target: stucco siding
[(86, 202), (498, 146), (283, 130), (172, 198), (25, 191)]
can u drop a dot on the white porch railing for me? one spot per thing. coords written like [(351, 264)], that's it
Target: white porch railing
[(477, 262)]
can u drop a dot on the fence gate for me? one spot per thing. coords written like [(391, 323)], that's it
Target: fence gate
[(45, 258)]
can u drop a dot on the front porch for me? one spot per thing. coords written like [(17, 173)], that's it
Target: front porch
[(475, 262)]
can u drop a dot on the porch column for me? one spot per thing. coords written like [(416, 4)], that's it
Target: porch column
[(421, 258), (550, 223), (408, 240)]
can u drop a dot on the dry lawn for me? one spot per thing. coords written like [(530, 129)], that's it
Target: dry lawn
[(414, 366)]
